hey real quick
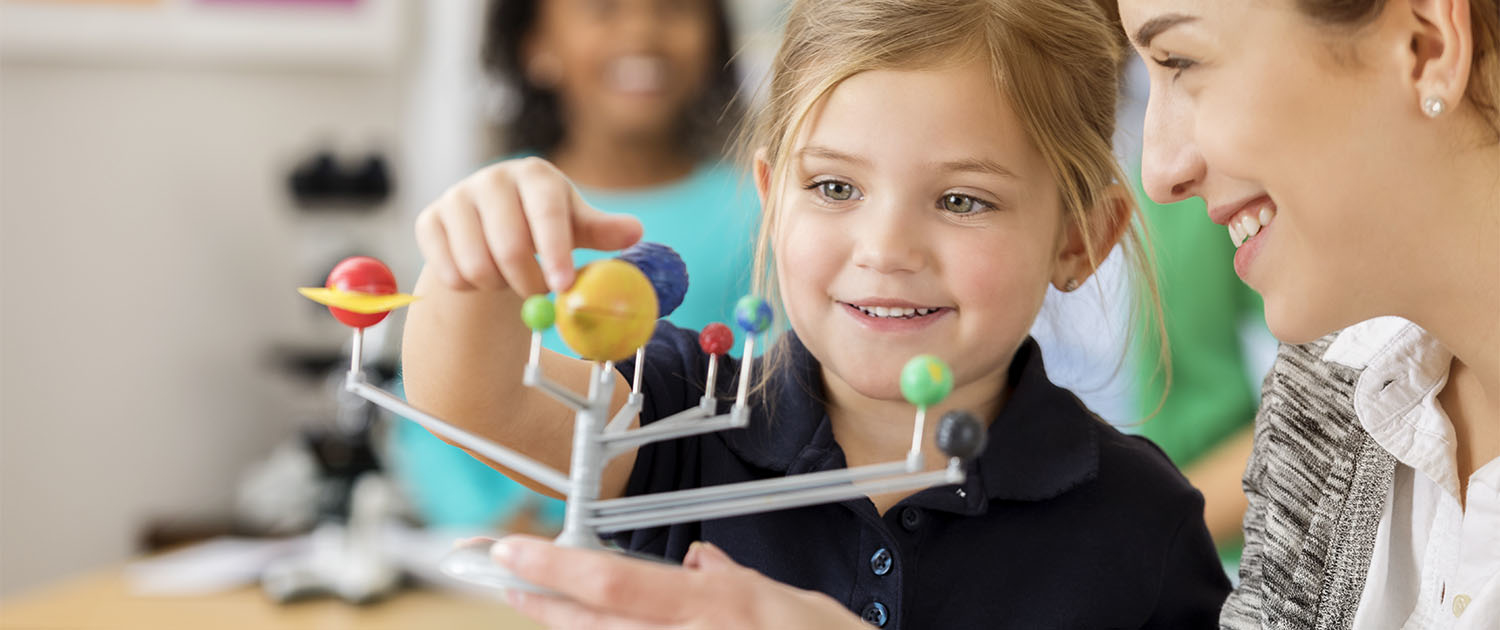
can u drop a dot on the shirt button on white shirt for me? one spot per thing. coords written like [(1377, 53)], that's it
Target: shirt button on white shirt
[(1460, 603)]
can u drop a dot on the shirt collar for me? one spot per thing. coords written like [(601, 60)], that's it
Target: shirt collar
[(1402, 370), (1042, 443)]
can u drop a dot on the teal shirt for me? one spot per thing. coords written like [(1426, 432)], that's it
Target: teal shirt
[(710, 218)]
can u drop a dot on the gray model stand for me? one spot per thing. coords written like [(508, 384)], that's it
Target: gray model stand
[(595, 442)]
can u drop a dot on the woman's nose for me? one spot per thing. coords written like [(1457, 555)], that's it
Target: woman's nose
[(1172, 169)]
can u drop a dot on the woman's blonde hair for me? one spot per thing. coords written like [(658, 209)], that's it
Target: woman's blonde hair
[(1055, 62)]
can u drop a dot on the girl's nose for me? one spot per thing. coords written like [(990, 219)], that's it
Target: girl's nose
[(890, 240)]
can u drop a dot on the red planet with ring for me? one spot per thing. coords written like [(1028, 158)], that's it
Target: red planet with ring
[(361, 274)]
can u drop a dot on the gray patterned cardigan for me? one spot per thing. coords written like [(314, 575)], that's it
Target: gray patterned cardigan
[(1316, 483)]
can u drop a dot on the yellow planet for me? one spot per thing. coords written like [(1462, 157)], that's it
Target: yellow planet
[(609, 312)]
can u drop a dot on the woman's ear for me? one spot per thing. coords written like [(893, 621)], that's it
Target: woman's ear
[(1077, 256), (1441, 51), (762, 175)]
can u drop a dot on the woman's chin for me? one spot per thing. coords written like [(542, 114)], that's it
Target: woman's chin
[(1290, 322)]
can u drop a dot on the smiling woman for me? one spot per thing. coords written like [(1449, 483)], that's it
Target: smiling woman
[(1351, 150)]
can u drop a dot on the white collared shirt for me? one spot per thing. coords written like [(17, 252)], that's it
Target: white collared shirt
[(1436, 561)]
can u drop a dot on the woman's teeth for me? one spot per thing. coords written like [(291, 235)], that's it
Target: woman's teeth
[(1248, 224), (900, 313)]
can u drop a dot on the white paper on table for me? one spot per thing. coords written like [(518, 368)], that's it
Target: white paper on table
[(213, 566)]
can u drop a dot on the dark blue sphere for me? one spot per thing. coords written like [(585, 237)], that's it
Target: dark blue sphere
[(666, 271)]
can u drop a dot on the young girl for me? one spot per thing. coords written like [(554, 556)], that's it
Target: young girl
[(927, 169)]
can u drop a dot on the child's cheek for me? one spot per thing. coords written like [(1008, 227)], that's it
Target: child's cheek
[(1003, 285)]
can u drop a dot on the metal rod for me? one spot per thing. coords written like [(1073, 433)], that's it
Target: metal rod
[(916, 433), (663, 430), (737, 506), (356, 358), (535, 358), (682, 418), (842, 476), (745, 361), (709, 389), (640, 363), (595, 371), (625, 415), (587, 467), (513, 460), (533, 378)]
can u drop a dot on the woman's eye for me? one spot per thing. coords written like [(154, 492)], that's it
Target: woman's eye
[(961, 204), (1178, 64), (836, 190)]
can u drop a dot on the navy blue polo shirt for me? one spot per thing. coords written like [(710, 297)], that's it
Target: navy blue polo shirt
[(1062, 522)]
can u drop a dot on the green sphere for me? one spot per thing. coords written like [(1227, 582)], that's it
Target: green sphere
[(538, 313), (926, 380)]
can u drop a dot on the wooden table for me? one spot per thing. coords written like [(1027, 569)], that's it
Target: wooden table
[(102, 599)]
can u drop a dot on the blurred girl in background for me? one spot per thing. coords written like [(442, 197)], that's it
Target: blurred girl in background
[(633, 100)]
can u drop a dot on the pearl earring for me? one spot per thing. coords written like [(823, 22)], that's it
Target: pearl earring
[(1433, 106), (1070, 285)]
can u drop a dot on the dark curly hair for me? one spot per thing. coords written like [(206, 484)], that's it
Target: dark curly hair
[(538, 125)]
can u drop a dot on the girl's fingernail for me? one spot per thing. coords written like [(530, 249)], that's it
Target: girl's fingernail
[(502, 552), (472, 540)]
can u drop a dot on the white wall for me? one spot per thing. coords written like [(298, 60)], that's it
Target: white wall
[(148, 256)]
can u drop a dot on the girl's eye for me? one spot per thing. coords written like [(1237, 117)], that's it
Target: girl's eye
[(836, 190), (962, 204), (1172, 62)]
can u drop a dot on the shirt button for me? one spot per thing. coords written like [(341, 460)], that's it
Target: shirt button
[(1461, 602), (880, 563), (875, 614), (911, 518)]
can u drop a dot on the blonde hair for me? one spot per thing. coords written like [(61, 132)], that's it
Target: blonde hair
[(1056, 62)]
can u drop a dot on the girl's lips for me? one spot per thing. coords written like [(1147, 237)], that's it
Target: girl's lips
[(895, 324)]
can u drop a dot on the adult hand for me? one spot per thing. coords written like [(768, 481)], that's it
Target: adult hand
[(612, 592)]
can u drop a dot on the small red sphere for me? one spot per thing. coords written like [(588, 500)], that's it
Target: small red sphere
[(361, 274), (716, 338)]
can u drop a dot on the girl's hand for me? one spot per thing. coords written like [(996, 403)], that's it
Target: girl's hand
[(611, 592), (489, 230)]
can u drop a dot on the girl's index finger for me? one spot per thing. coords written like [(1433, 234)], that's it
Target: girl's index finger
[(548, 200), (608, 582)]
